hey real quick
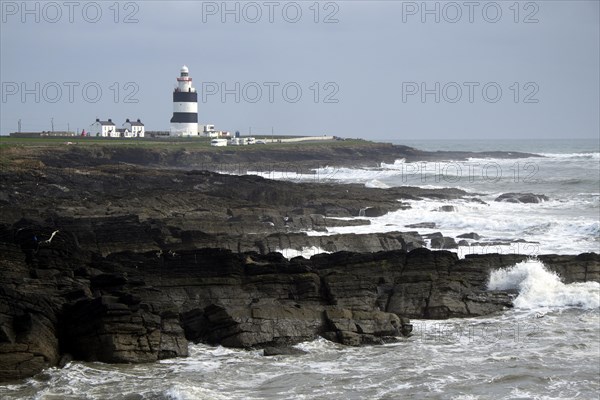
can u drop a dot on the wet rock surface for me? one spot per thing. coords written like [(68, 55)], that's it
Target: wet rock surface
[(132, 306), (522, 198), (165, 207)]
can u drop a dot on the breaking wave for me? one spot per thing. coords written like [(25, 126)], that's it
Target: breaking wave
[(539, 287)]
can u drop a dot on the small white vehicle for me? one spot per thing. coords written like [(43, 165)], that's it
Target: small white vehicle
[(218, 142)]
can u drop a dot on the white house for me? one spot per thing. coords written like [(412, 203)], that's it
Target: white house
[(136, 128), (209, 131), (104, 128)]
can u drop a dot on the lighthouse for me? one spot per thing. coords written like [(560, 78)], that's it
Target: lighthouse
[(185, 106)]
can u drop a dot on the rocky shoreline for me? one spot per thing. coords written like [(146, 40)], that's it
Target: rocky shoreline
[(297, 157), (128, 254)]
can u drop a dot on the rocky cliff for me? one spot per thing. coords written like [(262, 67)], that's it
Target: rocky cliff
[(101, 260), (57, 298)]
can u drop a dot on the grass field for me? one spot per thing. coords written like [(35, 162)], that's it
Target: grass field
[(62, 141)]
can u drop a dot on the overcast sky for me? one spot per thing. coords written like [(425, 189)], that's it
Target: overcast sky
[(371, 69)]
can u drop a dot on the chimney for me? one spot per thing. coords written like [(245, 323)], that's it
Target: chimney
[(97, 119), (109, 120), (127, 120), (139, 120)]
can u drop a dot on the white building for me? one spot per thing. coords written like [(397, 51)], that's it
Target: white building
[(185, 106), (135, 128), (104, 128), (209, 131)]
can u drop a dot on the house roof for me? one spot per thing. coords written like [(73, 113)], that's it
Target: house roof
[(106, 123), (134, 123)]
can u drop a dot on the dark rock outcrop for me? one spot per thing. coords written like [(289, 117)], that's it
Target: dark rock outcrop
[(282, 351), (139, 307), (112, 208), (439, 241), (121, 330), (470, 235), (425, 225), (522, 198)]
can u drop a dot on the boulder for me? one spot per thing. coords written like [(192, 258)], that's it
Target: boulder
[(377, 211), (443, 243), (522, 198), (470, 235), (447, 208), (422, 225), (282, 351)]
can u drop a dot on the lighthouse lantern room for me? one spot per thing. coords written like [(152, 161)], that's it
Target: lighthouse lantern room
[(185, 106)]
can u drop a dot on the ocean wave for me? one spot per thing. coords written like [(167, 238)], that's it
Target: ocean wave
[(318, 345), (328, 174), (398, 164), (539, 287), (590, 155)]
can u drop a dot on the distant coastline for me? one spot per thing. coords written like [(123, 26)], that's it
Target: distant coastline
[(196, 153)]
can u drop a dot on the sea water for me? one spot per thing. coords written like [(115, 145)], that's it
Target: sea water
[(567, 172)]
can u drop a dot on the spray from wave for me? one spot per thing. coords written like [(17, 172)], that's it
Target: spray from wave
[(539, 287), (306, 252)]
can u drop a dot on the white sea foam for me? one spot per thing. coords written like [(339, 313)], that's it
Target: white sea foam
[(377, 184), (539, 287), (398, 164), (189, 392), (306, 252), (592, 156), (550, 227), (318, 345)]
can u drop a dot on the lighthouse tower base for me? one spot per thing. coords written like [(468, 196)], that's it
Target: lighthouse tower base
[(179, 129)]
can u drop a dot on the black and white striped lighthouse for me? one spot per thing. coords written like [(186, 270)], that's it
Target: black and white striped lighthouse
[(185, 107)]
